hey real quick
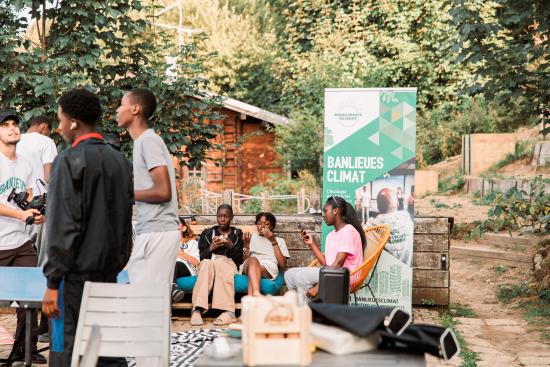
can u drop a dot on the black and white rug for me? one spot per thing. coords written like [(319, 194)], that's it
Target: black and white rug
[(187, 346)]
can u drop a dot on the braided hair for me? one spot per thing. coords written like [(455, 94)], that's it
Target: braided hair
[(349, 215)]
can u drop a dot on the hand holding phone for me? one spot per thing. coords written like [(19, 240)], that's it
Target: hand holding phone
[(217, 242), (306, 237)]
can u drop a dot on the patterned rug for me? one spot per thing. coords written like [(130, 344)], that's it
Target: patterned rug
[(187, 346)]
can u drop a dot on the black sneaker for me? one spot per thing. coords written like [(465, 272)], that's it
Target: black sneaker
[(44, 338), (36, 358), (177, 294)]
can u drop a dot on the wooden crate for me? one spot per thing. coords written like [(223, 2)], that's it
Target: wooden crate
[(431, 280)]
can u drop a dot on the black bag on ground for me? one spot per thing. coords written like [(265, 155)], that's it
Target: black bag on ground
[(393, 327), (361, 321), (435, 340), (333, 285)]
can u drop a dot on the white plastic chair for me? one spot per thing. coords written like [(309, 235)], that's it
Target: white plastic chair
[(134, 321)]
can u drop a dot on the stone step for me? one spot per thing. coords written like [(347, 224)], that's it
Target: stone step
[(492, 255)]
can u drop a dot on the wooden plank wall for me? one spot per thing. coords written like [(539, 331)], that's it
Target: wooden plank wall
[(431, 278)]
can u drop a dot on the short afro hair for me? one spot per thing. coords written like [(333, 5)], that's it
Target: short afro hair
[(146, 99), (38, 120), (269, 217), (226, 207), (81, 104)]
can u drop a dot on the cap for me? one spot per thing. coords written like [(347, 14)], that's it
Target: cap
[(4, 115)]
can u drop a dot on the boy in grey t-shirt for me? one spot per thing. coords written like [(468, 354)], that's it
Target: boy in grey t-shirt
[(157, 228)]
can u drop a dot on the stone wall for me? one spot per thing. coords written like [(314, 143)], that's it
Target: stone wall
[(481, 151), (425, 181)]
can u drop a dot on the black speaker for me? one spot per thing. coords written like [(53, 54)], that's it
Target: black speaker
[(333, 285)]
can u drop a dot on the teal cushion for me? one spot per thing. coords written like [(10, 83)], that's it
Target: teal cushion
[(267, 286)]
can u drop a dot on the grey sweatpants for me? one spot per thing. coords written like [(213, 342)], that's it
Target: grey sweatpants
[(304, 278)]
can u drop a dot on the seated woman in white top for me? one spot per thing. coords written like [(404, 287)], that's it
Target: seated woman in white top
[(264, 254), (188, 258)]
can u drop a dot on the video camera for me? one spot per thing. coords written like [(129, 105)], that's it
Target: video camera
[(20, 199)]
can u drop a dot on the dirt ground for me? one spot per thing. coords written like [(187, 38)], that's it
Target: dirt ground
[(498, 334), (458, 206), (523, 169)]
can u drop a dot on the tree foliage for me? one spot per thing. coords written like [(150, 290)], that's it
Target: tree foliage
[(359, 44), (239, 34), (107, 46), (508, 44)]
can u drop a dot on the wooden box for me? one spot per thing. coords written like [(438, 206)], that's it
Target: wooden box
[(276, 331)]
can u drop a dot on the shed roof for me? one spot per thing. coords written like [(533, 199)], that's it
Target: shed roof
[(250, 110)]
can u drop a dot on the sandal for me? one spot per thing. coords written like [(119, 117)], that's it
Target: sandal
[(196, 318), (225, 318)]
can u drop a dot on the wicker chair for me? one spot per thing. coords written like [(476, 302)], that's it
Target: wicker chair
[(377, 237)]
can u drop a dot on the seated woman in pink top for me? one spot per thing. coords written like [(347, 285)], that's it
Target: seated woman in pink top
[(343, 246)]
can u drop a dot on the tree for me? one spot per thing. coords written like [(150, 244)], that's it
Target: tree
[(402, 43), (239, 33), (107, 46), (508, 44)]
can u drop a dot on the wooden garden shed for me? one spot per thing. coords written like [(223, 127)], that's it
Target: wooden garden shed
[(248, 156)]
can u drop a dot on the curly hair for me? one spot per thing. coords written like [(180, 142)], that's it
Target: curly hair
[(146, 99), (81, 104), (269, 217)]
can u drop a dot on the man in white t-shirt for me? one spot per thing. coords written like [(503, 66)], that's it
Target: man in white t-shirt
[(39, 150), (365, 204), (15, 245)]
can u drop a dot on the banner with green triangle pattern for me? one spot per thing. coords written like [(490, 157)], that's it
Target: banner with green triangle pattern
[(369, 160)]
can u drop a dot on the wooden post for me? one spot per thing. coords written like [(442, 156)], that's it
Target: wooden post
[(227, 197), (265, 201), (301, 201), (204, 204), (235, 204)]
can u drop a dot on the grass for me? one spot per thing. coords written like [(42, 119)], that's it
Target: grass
[(522, 151), (451, 184), (428, 302), (534, 306), (517, 248), (545, 335), (506, 293), (461, 231), (439, 205), (500, 269), (536, 311), (469, 358), (486, 200), (459, 310)]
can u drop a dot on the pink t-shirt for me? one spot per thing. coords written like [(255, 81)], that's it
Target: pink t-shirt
[(347, 239)]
